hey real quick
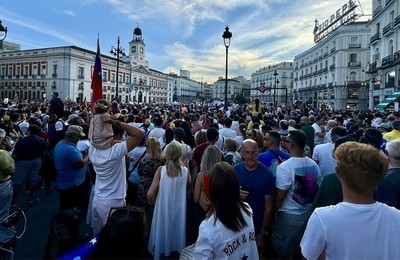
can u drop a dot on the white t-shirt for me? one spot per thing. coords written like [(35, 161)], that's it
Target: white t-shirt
[(353, 231), (157, 133), (215, 241), (110, 168), (318, 129), (298, 175), (323, 155), (228, 133)]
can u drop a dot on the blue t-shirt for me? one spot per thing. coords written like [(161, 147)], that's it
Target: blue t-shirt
[(66, 155), (258, 183), (269, 160)]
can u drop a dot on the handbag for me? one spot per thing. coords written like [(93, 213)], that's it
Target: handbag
[(204, 201)]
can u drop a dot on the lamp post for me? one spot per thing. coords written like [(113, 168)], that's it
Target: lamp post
[(276, 82), (117, 52), (227, 35), (3, 31)]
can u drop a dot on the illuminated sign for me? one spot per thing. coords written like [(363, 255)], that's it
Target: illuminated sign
[(349, 12)]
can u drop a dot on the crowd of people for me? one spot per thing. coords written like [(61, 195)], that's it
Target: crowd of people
[(252, 182)]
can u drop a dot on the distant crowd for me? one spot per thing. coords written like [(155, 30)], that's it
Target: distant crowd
[(253, 182)]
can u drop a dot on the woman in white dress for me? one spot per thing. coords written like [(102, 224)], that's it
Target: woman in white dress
[(168, 228)]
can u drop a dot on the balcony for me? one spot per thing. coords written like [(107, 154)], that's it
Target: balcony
[(388, 2), (325, 70), (354, 45), (373, 66), (333, 50), (326, 54), (53, 87), (17, 76), (43, 76), (314, 73), (25, 76), (374, 38), (387, 29), (396, 57), (387, 61), (332, 67), (319, 71), (54, 75), (376, 11), (81, 77), (2, 77), (396, 21), (9, 76), (320, 57), (353, 64), (34, 76)]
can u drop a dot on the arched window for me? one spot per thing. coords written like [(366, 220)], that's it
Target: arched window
[(353, 75), (390, 47)]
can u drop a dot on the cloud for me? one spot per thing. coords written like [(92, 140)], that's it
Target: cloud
[(45, 29), (69, 12)]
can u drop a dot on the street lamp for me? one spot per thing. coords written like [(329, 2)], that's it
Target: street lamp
[(276, 82), (3, 31), (116, 52), (227, 35)]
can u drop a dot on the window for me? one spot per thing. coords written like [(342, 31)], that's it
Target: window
[(81, 72), (353, 57), (353, 75)]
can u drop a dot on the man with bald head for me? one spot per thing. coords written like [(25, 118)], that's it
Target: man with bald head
[(257, 188)]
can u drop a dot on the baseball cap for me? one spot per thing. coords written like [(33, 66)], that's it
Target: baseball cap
[(75, 130)]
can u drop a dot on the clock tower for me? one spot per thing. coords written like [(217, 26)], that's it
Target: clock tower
[(137, 49)]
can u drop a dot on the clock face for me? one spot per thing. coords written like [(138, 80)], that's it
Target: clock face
[(133, 49), (141, 50)]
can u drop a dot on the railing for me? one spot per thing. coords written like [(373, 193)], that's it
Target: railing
[(396, 56), (333, 50), (377, 10), (396, 21), (332, 67), (373, 66), (42, 76), (34, 76), (354, 64), (354, 45), (387, 28), (387, 60), (54, 75), (81, 77), (374, 38)]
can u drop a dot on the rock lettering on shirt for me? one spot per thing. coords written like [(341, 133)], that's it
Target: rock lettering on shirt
[(235, 244)]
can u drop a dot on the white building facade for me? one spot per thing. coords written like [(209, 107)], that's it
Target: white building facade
[(273, 83), (234, 88), (35, 74), (185, 89), (333, 72), (384, 69)]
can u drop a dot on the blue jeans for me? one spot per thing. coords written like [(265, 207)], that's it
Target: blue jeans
[(6, 192)]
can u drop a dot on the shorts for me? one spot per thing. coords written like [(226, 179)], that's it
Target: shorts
[(101, 210), (27, 171)]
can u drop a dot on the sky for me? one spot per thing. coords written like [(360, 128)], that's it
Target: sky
[(179, 34)]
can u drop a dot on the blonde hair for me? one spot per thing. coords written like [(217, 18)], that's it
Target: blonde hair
[(211, 156), (173, 152), (154, 149), (361, 166), (200, 137)]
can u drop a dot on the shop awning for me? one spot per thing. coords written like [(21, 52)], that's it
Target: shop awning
[(389, 100)]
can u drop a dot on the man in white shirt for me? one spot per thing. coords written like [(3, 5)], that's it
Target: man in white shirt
[(319, 128), (323, 153), (158, 131), (359, 227), (227, 132), (110, 167)]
